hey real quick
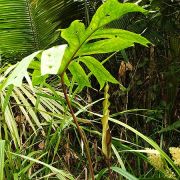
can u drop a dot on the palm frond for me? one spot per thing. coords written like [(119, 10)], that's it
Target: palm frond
[(16, 33), (29, 25), (52, 15)]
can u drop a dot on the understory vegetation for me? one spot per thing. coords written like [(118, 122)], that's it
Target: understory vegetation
[(89, 89)]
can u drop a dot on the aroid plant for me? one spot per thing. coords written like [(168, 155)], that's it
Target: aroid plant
[(83, 42)]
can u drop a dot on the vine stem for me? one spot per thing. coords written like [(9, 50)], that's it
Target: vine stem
[(82, 135)]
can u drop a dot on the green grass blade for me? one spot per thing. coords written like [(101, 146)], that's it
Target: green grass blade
[(124, 173), (61, 174), (118, 157), (2, 148), (120, 171), (7, 97), (148, 140), (151, 142), (10, 122)]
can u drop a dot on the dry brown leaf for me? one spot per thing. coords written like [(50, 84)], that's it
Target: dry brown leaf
[(41, 145), (68, 154), (124, 67), (20, 118), (129, 66)]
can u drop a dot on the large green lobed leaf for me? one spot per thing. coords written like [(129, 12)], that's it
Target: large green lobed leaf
[(77, 36), (98, 70), (119, 33), (19, 72), (79, 75), (57, 59), (110, 11), (51, 59), (105, 46)]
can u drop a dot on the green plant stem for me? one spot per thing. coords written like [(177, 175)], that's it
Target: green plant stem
[(82, 135)]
